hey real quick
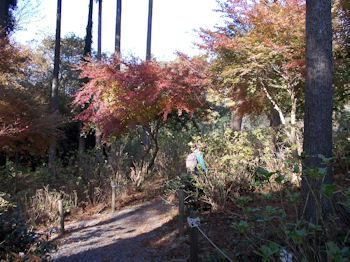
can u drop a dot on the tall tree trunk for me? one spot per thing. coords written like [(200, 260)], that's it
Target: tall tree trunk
[(318, 106), (99, 54), (149, 30), (87, 52), (237, 121), (55, 84), (118, 22), (88, 37), (99, 36), (118, 27)]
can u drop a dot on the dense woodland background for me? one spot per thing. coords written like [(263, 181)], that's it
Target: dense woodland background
[(268, 101)]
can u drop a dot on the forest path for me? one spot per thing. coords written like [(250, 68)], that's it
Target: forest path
[(121, 236)]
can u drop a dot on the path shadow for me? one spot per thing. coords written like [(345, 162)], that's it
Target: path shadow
[(104, 241), (139, 210)]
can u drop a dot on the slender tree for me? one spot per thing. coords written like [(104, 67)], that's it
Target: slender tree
[(318, 108), (88, 38), (99, 54), (118, 26), (55, 83), (99, 35), (87, 52), (149, 30)]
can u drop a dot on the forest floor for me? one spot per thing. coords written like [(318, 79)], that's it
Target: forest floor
[(125, 235), (146, 229), (142, 229)]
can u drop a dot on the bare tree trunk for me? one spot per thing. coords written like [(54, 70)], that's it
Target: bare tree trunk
[(293, 121), (275, 106), (237, 122), (88, 38), (55, 84), (154, 137), (99, 54), (149, 30), (118, 27), (87, 52), (99, 38), (318, 106)]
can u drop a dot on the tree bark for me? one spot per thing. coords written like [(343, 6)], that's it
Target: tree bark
[(275, 106), (118, 27), (87, 52), (88, 38), (318, 106), (99, 54), (293, 117), (237, 122), (149, 30), (55, 84), (99, 37)]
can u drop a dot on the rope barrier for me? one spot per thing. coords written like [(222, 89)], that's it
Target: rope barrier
[(194, 222)]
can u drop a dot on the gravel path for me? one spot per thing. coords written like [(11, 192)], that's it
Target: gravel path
[(121, 236)]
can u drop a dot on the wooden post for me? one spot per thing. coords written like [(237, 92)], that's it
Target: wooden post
[(193, 240), (113, 195), (181, 212), (61, 211)]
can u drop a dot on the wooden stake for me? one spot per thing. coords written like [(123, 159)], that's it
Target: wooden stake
[(113, 196), (193, 240), (181, 212), (61, 211)]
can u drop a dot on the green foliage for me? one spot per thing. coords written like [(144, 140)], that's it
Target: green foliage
[(5, 204), (214, 257), (238, 163), (187, 183), (272, 234), (15, 234), (341, 142)]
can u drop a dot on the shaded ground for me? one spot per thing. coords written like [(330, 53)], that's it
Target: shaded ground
[(123, 236)]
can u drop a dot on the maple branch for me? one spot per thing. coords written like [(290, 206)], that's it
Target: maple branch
[(154, 136), (278, 109)]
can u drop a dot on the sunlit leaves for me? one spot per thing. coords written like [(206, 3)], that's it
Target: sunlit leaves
[(260, 53), (140, 92), (24, 122)]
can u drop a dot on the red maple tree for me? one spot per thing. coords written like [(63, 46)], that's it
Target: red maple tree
[(119, 100), (25, 124)]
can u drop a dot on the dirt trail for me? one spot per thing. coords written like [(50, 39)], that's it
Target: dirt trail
[(122, 236)]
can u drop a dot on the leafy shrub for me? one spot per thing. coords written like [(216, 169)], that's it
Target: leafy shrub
[(275, 235), (15, 235), (170, 161), (43, 207), (186, 182), (238, 161)]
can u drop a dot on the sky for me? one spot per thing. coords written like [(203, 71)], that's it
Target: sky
[(173, 26)]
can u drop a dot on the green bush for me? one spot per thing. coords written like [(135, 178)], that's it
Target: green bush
[(272, 234), (15, 234), (237, 163)]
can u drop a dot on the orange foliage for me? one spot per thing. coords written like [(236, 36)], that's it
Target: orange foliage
[(118, 100), (24, 125), (260, 50)]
